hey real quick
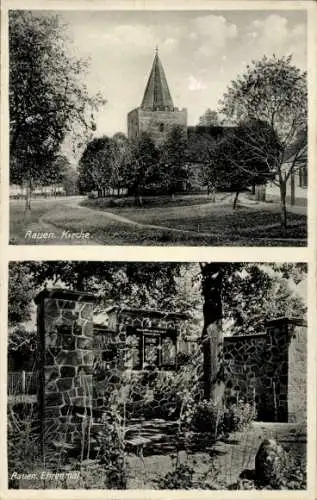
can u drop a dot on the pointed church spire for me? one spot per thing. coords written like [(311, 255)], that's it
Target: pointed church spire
[(157, 95)]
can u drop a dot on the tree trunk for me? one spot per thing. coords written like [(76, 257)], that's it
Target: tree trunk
[(283, 205), (212, 336), (235, 201), (292, 189), (28, 196)]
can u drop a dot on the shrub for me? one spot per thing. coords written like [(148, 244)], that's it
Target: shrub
[(208, 417), (238, 416), (181, 478)]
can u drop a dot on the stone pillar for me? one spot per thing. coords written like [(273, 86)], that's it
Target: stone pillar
[(275, 372), (65, 335), (297, 373)]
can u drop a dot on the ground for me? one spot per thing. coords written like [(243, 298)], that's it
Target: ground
[(191, 220), (224, 461), (229, 457)]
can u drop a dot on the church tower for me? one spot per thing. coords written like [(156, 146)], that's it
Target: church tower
[(157, 114)]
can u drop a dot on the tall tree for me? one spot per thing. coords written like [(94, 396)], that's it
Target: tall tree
[(209, 119), (120, 159), (47, 98), (244, 157), (212, 335), (144, 167), (275, 91), (173, 159), (95, 166)]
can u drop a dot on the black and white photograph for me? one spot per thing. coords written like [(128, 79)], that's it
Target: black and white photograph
[(157, 375), (163, 127)]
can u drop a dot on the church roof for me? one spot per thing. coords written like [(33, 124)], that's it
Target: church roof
[(157, 95)]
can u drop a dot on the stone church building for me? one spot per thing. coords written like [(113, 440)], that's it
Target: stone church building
[(157, 114)]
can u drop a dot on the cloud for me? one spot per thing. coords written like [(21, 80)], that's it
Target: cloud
[(215, 31), (274, 34), (129, 38), (196, 83)]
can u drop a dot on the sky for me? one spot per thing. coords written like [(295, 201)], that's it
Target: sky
[(201, 52)]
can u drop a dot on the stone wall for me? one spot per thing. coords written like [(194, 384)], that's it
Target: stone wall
[(120, 354), (267, 369), (65, 331), (156, 123), (297, 375)]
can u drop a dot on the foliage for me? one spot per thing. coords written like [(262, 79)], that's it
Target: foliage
[(181, 478), (95, 168), (251, 293), (293, 476), (23, 439), (244, 157), (20, 293), (237, 416), (144, 169), (209, 119), (47, 99), (22, 341), (121, 159), (275, 91), (104, 164), (254, 293), (173, 160), (62, 173), (210, 418), (111, 455)]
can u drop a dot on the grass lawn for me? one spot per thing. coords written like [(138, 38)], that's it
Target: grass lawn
[(191, 220)]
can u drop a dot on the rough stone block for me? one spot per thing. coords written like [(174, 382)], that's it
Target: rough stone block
[(270, 463), (86, 311), (51, 373), (53, 399), (51, 308), (52, 412), (81, 401), (68, 371), (51, 386), (49, 359), (69, 358), (68, 342), (77, 329), (83, 343), (71, 393), (67, 304), (64, 384), (88, 330), (84, 369), (65, 329), (66, 410), (69, 316), (88, 358)]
